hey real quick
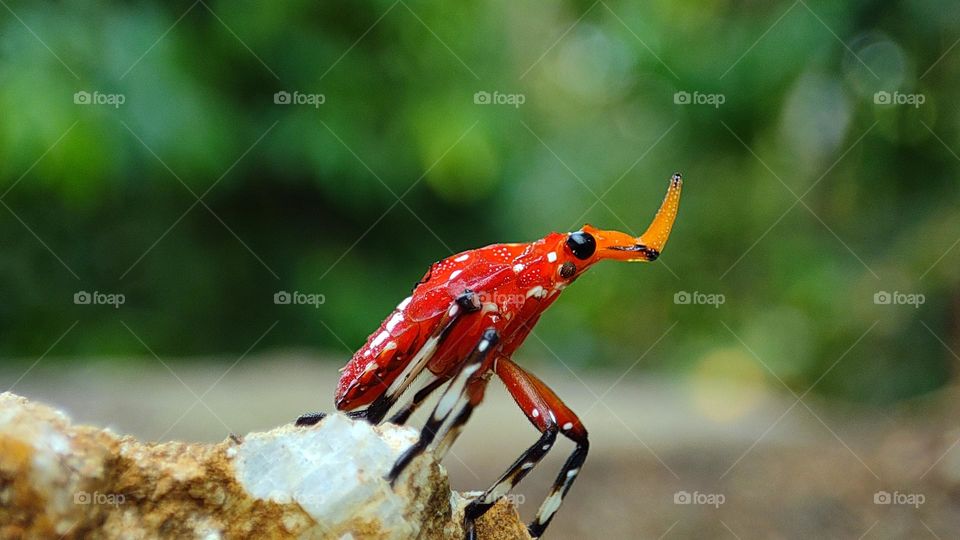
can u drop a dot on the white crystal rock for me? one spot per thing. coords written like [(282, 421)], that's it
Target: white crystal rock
[(331, 470)]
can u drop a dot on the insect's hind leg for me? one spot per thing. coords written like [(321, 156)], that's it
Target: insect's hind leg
[(467, 302), (453, 408), (421, 394), (561, 485), (551, 417)]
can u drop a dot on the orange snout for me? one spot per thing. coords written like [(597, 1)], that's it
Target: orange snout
[(647, 247)]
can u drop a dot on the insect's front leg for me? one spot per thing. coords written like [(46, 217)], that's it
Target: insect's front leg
[(551, 417), (475, 390), (454, 406)]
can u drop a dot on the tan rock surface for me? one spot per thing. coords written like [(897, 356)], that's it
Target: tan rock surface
[(60, 480)]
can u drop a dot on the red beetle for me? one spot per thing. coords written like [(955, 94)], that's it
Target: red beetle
[(462, 323)]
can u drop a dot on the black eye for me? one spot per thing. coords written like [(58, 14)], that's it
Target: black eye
[(581, 244)]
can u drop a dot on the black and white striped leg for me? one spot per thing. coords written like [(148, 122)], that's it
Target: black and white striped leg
[(314, 418), (560, 488), (450, 407), (551, 417), (421, 395), (475, 390), (523, 465)]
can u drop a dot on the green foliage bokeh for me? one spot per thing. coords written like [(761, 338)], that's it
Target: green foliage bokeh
[(304, 198)]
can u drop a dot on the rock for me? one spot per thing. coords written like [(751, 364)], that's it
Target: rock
[(60, 480)]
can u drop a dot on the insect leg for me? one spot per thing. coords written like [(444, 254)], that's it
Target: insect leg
[(451, 403), (475, 390), (468, 302), (414, 373), (423, 391), (314, 418), (551, 417)]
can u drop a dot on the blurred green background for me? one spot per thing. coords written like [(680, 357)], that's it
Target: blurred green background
[(304, 198)]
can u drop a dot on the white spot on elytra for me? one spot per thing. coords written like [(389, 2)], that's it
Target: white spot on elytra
[(552, 256), (381, 337), (535, 413), (518, 268), (425, 352), (390, 346), (546, 447), (403, 305), (454, 274), (462, 258), (483, 345), (537, 291), (527, 465), (572, 472), (394, 321), (567, 426)]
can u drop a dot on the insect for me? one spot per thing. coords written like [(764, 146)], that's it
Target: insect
[(462, 324)]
